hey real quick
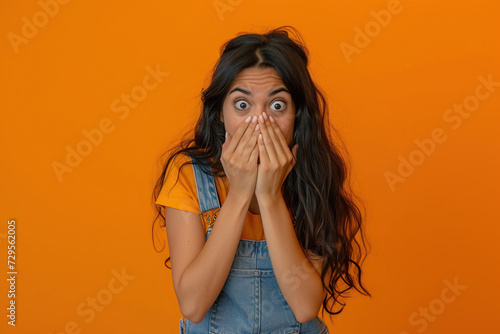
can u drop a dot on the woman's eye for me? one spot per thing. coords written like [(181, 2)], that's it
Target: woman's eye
[(241, 104), (279, 105)]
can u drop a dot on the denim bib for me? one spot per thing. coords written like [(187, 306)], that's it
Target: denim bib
[(250, 300)]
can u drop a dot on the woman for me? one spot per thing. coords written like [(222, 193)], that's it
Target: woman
[(278, 228)]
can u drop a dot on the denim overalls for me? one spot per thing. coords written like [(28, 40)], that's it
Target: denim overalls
[(250, 300)]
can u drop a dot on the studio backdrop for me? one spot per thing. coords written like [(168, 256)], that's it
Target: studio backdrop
[(94, 92)]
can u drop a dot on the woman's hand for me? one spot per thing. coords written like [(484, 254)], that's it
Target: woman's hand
[(239, 159), (276, 159)]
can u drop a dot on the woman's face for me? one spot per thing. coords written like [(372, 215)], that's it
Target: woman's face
[(255, 91)]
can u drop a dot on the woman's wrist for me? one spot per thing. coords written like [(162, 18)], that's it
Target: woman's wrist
[(236, 199)]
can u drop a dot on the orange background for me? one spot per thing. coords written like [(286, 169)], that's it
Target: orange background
[(75, 232)]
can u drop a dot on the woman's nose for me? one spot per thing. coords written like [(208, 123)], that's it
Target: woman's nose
[(258, 111)]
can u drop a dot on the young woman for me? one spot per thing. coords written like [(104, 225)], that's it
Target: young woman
[(278, 225)]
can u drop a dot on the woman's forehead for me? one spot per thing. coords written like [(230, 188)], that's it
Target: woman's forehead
[(254, 77)]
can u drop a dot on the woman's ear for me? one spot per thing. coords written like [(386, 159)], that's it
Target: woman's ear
[(221, 117)]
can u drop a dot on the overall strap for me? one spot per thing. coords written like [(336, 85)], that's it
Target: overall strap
[(205, 185)]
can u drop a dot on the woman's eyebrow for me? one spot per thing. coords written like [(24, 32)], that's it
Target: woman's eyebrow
[(273, 92)]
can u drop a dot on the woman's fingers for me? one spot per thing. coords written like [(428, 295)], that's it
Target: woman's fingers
[(248, 141), (255, 154), (236, 137), (244, 141), (276, 134), (267, 141), (239, 159), (283, 153)]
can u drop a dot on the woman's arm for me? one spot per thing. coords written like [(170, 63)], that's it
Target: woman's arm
[(199, 268), (298, 278)]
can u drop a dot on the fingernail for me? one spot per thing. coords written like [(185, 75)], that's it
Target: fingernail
[(254, 119), (257, 127), (271, 118), (261, 118), (248, 119)]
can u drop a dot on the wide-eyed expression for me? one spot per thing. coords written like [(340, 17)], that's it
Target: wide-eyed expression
[(254, 91)]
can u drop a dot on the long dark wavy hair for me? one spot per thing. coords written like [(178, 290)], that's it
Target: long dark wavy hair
[(327, 220)]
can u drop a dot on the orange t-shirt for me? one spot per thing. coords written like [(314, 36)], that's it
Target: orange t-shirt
[(184, 196)]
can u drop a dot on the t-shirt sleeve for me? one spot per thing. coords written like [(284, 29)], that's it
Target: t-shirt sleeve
[(181, 195)]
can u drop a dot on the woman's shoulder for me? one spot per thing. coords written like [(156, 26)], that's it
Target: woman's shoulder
[(182, 157), (178, 169), (184, 164), (178, 160), (179, 187)]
